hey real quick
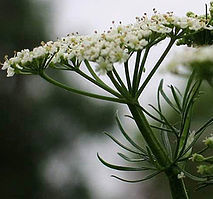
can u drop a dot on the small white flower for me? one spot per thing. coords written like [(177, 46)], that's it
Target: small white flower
[(5, 66), (181, 175), (10, 72), (103, 67), (107, 48)]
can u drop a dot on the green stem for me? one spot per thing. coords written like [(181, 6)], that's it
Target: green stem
[(126, 66), (56, 83), (135, 75), (97, 83), (117, 85), (202, 150), (177, 186), (149, 136), (119, 79), (142, 66), (92, 72), (172, 41)]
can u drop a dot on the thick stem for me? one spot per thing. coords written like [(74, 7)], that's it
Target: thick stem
[(177, 186), (149, 136)]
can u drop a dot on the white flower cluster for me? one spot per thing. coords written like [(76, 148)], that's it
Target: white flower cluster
[(24, 60), (200, 59), (104, 49), (169, 20)]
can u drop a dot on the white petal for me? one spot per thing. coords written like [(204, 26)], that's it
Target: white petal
[(10, 72)]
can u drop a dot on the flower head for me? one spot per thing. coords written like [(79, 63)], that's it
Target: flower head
[(199, 59), (205, 169), (197, 158), (105, 49)]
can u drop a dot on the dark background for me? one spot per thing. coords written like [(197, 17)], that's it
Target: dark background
[(37, 119)]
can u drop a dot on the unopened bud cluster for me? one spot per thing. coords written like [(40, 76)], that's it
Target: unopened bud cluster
[(206, 166), (209, 141)]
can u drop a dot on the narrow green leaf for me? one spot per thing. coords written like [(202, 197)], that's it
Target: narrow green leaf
[(167, 99), (191, 96), (127, 137), (203, 185), (207, 124), (178, 91), (198, 134), (163, 129), (191, 78), (188, 105), (122, 168), (193, 177), (123, 146), (129, 116), (158, 95), (187, 114), (166, 143), (131, 159), (160, 128), (185, 132), (176, 98), (135, 181), (150, 115), (153, 126), (151, 158), (165, 120), (203, 150)]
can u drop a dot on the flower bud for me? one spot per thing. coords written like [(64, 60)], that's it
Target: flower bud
[(211, 8), (197, 158), (205, 169), (190, 14), (209, 141)]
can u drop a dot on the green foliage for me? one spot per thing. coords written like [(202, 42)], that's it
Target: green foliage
[(142, 156)]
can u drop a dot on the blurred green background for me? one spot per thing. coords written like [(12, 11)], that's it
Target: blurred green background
[(38, 120)]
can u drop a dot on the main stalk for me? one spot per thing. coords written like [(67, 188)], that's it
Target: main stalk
[(176, 185)]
